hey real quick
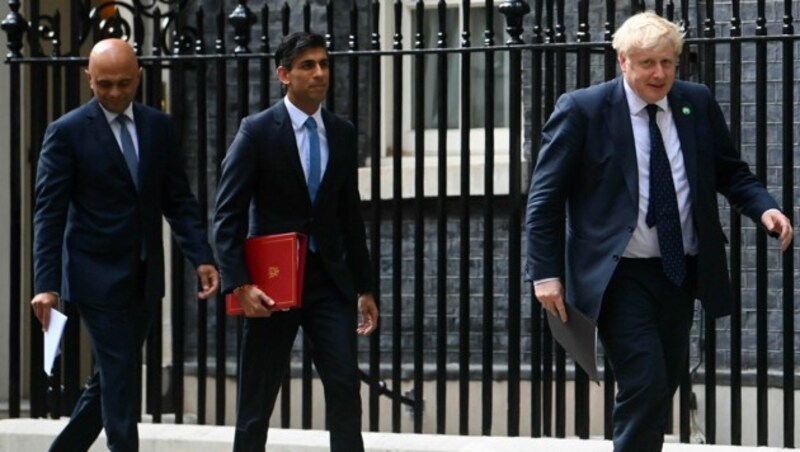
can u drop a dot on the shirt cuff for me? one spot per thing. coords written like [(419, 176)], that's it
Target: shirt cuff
[(542, 281)]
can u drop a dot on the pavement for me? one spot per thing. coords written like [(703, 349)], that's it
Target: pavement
[(18, 435)]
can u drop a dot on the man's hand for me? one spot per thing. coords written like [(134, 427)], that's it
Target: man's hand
[(254, 301), (42, 304), (551, 295), (209, 280), (776, 223), (369, 314)]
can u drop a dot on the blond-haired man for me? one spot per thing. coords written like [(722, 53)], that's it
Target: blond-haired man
[(635, 165)]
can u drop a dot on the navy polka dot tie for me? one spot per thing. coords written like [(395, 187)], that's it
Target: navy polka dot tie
[(663, 208)]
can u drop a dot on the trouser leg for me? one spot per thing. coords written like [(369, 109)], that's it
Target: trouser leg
[(331, 325), (266, 344), (644, 326)]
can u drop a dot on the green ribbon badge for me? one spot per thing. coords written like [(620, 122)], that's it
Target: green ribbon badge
[(686, 111)]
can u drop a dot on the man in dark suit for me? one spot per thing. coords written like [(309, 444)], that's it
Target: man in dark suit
[(107, 173), (293, 168), (635, 165)]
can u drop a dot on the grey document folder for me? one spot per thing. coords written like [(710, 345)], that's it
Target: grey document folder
[(578, 337)]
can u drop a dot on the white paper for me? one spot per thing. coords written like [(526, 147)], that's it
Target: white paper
[(52, 339)]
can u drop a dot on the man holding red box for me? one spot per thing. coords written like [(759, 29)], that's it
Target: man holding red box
[(293, 168)]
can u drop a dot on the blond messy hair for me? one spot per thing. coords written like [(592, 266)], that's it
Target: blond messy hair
[(647, 30)]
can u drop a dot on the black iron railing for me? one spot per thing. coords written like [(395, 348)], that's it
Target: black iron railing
[(446, 255)]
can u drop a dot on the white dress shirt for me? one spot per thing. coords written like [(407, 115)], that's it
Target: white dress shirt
[(644, 242), (115, 126), (298, 118)]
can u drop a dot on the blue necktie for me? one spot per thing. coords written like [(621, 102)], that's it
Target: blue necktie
[(313, 158), (128, 150), (313, 167), (663, 208)]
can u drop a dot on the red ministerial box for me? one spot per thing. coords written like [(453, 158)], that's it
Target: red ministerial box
[(276, 264)]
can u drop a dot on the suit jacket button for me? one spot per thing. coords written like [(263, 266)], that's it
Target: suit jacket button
[(631, 228), (615, 257)]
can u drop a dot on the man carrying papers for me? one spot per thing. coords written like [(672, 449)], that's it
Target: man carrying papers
[(633, 167), (109, 172)]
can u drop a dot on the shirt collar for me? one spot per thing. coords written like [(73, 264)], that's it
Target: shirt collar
[(111, 117), (299, 117), (636, 104)]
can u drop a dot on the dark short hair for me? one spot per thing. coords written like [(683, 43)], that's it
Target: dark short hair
[(295, 44)]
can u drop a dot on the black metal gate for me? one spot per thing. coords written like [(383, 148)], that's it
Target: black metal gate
[(430, 86)]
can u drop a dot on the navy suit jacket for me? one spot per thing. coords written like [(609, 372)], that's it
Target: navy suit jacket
[(587, 172), (89, 219), (263, 191)]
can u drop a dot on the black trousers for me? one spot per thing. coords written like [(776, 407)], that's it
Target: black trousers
[(644, 327), (117, 329), (330, 323)]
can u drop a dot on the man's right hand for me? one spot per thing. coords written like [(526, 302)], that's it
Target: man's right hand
[(42, 304), (551, 295), (254, 301)]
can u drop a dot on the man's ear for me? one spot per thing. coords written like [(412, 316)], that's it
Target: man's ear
[(622, 61), (88, 77), (283, 75), (280, 71)]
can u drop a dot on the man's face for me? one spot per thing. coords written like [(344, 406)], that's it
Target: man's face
[(114, 82), (650, 72), (307, 80)]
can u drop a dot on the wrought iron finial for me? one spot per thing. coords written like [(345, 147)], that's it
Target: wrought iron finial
[(329, 15), (307, 17), (352, 38), (788, 19), (219, 43), (375, 36), (199, 43), (15, 27), (583, 34), (488, 33), (419, 18), (670, 16), (736, 22), (441, 42), (285, 13), (398, 17), (514, 12), (265, 29), (242, 19)]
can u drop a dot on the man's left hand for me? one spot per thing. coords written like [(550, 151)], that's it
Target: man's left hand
[(776, 223), (369, 314), (209, 280)]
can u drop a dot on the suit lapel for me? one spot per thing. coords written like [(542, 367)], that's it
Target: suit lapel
[(621, 133), (108, 142), (333, 145), (682, 115), (143, 133), (289, 145)]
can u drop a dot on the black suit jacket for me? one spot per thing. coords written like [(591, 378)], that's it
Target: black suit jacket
[(263, 191), (587, 172), (89, 219)]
